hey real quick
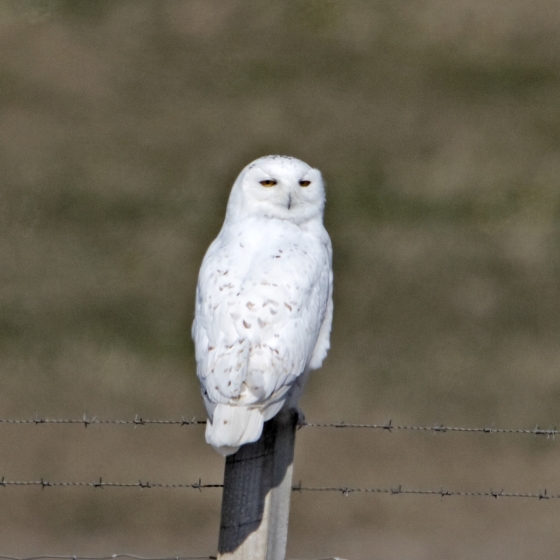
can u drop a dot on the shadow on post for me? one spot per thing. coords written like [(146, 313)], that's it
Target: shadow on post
[(257, 490)]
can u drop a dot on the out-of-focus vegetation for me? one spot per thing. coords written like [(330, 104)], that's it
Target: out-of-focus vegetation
[(436, 125)]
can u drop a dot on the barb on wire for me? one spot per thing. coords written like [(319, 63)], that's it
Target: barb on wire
[(387, 426), (343, 490)]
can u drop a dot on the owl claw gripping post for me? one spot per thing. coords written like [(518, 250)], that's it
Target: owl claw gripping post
[(264, 300)]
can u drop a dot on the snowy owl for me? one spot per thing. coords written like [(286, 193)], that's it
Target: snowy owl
[(264, 300)]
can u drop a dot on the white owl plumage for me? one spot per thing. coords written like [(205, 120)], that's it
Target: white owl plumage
[(264, 300)]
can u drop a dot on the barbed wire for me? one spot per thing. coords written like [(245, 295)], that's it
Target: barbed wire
[(440, 428), (111, 557), (87, 421), (123, 555), (300, 488), (102, 484), (387, 426), (399, 490)]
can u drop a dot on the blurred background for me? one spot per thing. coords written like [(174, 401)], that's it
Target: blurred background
[(436, 125)]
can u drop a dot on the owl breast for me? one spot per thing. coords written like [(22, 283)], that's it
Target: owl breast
[(261, 301)]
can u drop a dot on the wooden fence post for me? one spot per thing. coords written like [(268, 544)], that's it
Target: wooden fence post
[(257, 490)]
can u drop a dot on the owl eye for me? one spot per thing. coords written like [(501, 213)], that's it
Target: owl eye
[(304, 183), (268, 183)]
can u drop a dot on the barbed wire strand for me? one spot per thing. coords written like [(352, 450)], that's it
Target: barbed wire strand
[(344, 490), (111, 557), (388, 426), (440, 428), (102, 484), (85, 421)]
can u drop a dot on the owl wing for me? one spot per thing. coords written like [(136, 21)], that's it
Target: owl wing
[(263, 317)]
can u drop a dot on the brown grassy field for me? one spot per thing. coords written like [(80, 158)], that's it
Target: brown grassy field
[(436, 125)]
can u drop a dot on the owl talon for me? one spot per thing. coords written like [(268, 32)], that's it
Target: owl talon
[(300, 418)]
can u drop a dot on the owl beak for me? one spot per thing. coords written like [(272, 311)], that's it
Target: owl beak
[(289, 201)]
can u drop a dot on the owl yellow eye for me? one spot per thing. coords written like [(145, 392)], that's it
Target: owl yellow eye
[(304, 183), (268, 183)]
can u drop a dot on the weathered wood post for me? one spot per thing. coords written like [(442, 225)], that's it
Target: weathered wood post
[(257, 490)]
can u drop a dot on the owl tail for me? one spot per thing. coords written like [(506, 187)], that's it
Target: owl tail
[(233, 426)]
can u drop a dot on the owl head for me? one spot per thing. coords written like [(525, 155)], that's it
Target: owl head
[(278, 187)]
